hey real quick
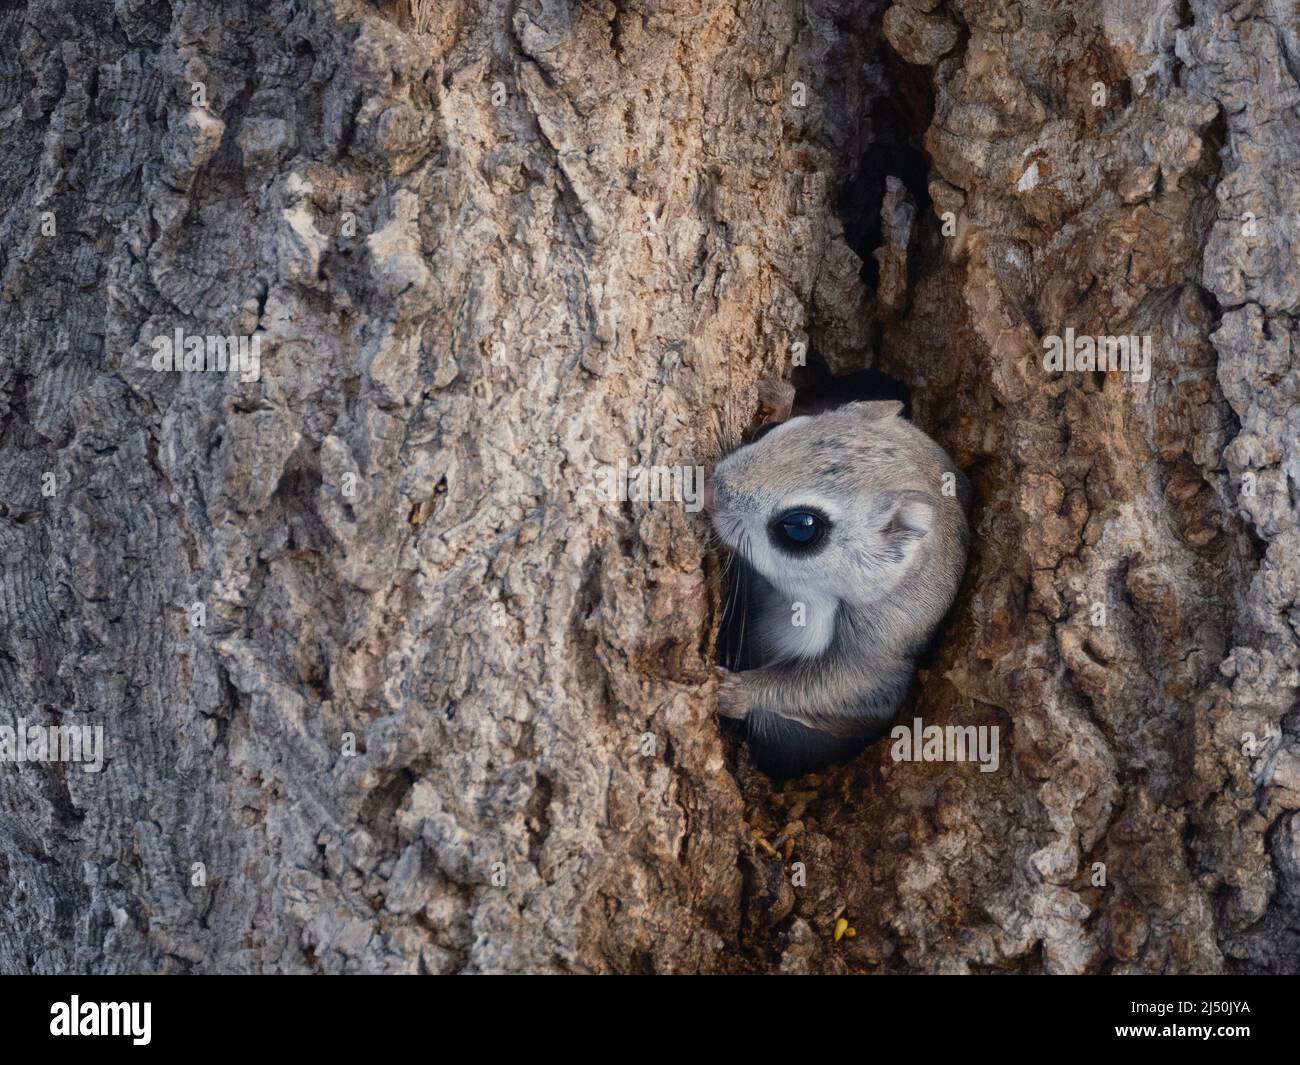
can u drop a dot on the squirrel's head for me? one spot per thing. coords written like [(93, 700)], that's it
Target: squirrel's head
[(834, 505)]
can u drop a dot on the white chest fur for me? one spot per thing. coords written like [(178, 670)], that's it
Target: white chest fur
[(799, 626)]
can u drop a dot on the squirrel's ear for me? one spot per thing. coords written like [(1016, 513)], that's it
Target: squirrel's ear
[(911, 514), (875, 410), (775, 401)]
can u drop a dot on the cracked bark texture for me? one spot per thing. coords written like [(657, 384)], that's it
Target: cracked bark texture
[(491, 247)]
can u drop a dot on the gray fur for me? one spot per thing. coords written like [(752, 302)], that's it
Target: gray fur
[(872, 595)]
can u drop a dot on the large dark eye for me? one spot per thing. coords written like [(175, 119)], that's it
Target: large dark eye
[(799, 530)]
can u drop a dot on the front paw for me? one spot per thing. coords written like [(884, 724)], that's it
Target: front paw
[(733, 699)]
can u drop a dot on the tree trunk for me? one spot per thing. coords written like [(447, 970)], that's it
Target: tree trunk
[(387, 683)]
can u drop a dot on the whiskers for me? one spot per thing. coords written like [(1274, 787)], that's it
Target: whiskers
[(727, 528), (735, 616), (726, 532)]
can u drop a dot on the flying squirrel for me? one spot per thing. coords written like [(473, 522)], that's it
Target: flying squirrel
[(849, 538)]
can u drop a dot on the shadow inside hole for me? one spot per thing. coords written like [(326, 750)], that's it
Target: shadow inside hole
[(817, 390)]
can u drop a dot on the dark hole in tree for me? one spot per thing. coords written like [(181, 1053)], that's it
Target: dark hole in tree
[(899, 121), (816, 389)]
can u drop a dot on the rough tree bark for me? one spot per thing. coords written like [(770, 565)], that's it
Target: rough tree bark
[(493, 246)]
